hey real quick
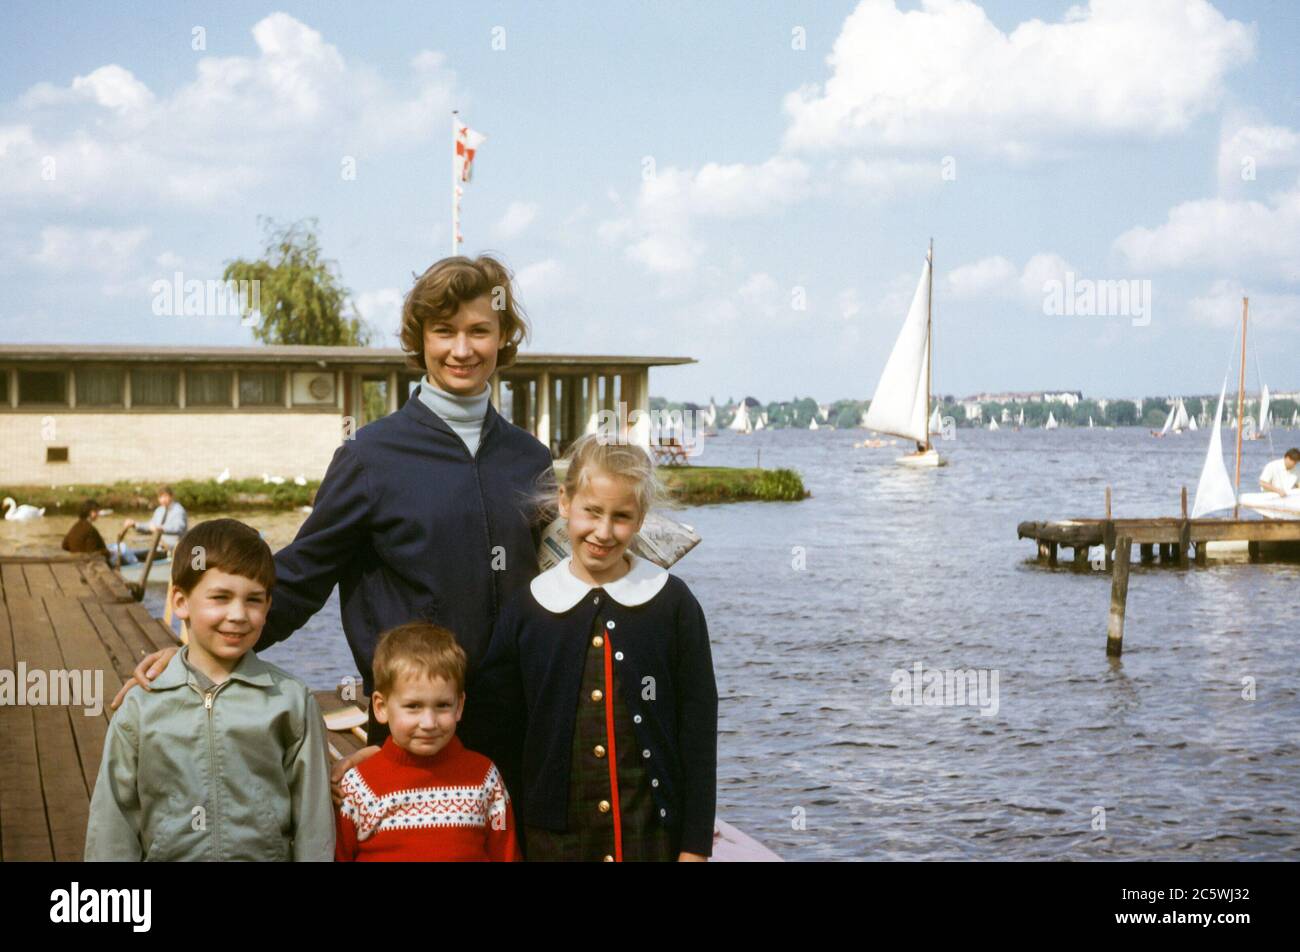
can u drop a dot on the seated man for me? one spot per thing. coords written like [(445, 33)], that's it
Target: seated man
[(83, 536), (170, 516), (1279, 476)]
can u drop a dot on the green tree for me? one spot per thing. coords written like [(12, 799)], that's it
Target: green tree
[(302, 297), (1122, 413)]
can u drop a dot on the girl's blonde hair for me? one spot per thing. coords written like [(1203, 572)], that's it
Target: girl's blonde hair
[(595, 452)]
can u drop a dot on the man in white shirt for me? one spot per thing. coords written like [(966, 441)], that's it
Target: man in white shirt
[(1279, 476)]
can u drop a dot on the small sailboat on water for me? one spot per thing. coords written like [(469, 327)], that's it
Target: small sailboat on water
[(1051, 423), (740, 422), (993, 424), (901, 404)]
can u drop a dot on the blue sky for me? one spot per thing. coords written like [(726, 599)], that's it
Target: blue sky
[(674, 178)]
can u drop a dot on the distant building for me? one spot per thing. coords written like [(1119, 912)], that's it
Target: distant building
[(103, 413), (1068, 397)]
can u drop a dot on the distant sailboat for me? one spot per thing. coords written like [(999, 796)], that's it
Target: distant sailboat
[(901, 404), (1191, 425), (740, 422), (993, 424), (936, 421), (1264, 423), (1051, 423), (812, 424), (1214, 488), (1020, 420), (1090, 423)]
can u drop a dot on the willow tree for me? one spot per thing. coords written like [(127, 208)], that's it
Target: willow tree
[(302, 297)]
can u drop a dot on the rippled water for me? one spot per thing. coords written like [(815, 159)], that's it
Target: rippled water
[(903, 566)]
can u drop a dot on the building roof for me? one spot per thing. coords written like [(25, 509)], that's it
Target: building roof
[(293, 353)]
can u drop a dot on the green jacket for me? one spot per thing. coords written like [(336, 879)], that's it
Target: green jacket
[(237, 774)]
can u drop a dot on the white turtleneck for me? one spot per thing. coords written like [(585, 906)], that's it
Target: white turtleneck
[(463, 414)]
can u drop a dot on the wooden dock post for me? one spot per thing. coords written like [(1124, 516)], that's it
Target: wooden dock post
[(1118, 598), (1108, 534), (1080, 558), (1184, 535), (1051, 554)]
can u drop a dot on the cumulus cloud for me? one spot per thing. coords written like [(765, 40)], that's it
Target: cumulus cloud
[(74, 250), (1248, 236), (945, 74), (998, 277), (106, 139), (381, 309), (1220, 306)]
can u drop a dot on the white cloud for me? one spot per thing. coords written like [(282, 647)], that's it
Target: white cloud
[(1248, 236), (993, 275), (539, 279), (515, 221), (72, 250), (945, 75), (660, 233), (1248, 149), (1220, 306), (885, 178), (237, 124), (381, 309)]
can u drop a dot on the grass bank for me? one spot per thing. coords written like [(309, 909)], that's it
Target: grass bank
[(688, 485)]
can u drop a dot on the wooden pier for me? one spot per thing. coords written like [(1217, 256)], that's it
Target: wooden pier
[(1175, 541), (74, 614)]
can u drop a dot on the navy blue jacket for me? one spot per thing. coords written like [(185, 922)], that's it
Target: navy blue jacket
[(523, 701), (411, 527)]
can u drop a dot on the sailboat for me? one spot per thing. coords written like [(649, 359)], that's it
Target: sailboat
[(993, 423), (901, 404), (936, 421), (740, 422), (1090, 422), (1177, 420), (1191, 425), (1214, 491), (812, 424), (1020, 420), (1265, 424), (1051, 423)]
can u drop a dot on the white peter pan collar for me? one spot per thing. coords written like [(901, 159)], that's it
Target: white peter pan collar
[(558, 589)]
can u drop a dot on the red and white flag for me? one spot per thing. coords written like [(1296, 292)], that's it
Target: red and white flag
[(467, 143)]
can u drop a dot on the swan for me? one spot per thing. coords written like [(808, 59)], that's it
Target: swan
[(17, 513), (300, 480), (225, 475)]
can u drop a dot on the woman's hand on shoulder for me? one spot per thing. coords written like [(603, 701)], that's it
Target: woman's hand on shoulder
[(343, 766), (691, 858), (150, 666)]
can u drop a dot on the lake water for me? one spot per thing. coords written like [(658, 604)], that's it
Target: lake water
[(812, 607)]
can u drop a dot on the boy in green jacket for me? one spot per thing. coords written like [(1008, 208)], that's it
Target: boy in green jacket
[(224, 758)]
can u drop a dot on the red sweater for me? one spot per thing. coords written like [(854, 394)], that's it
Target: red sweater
[(451, 807)]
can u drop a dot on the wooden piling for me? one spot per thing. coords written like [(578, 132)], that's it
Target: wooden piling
[(1118, 598), (1080, 558), (1051, 554), (1184, 534), (1108, 534)]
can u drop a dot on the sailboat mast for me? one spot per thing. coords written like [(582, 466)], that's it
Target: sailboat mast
[(1241, 399), (929, 341)]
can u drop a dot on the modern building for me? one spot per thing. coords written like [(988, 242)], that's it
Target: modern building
[(86, 413)]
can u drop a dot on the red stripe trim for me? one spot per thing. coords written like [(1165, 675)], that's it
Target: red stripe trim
[(612, 752)]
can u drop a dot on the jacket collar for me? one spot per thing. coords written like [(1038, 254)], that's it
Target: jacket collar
[(251, 670), (418, 410), (558, 589)]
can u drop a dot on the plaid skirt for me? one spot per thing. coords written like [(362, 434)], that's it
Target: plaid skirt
[(590, 832)]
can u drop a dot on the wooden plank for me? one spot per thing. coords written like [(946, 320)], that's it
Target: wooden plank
[(84, 652), (128, 630), (40, 580), (154, 630), (24, 831), (125, 658), (113, 584), (14, 580), (72, 583), (66, 797)]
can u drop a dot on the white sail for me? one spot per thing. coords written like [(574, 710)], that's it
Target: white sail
[(812, 424), (1180, 416), (711, 415), (898, 406), (1214, 488), (936, 421), (1090, 423), (1021, 420), (1006, 415), (1263, 411), (1051, 423), (1191, 425), (1169, 420), (1295, 417), (740, 422), (760, 423), (993, 424)]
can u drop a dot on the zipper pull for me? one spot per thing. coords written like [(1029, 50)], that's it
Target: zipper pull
[(207, 701)]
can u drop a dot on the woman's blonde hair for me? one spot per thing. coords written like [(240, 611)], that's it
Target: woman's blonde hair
[(596, 452), (451, 282)]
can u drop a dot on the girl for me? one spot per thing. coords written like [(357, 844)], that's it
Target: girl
[(597, 696)]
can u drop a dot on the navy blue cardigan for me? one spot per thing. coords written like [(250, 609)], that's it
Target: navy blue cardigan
[(523, 702), (411, 527)]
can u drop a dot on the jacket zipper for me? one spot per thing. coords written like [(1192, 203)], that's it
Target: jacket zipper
[(208, 699)]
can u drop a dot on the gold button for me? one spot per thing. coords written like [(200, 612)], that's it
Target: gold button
[(603, 806), (599, 751), (609, 859), (597, 695), (598, 642)]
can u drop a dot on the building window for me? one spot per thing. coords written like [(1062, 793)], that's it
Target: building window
[(207, 388), (99, 387), (155, 388), (36, 387), (261, 388)]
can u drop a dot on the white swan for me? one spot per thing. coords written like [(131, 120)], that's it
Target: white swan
[(17, 513), (225, 475), (273, 480), (300, 480)]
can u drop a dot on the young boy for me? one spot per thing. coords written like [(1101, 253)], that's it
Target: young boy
[(224, 758), (423, 796)]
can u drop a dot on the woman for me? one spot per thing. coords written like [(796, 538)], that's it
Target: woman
[(425, 514)]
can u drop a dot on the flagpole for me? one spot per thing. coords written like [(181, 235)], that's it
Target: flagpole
[(1241, 402), (455, 185)]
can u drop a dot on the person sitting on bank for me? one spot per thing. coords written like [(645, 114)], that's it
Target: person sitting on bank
[(1279, 476), (83, 536), (170, 516)]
